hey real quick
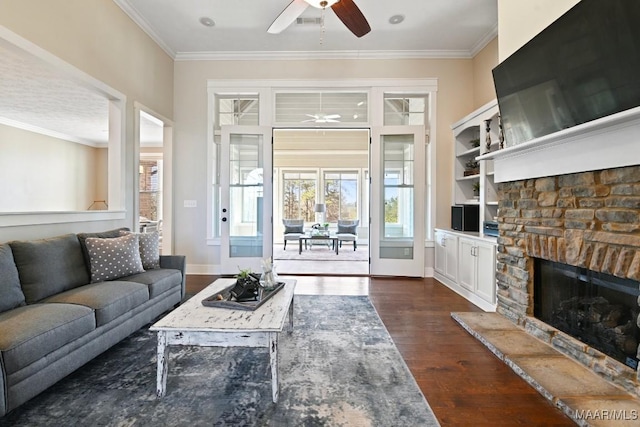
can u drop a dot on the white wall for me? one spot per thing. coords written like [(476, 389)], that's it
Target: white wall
[(521, 20), (42, 173), (97, 37)]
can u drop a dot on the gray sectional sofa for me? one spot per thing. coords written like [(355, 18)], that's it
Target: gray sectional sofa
[(55, 316)]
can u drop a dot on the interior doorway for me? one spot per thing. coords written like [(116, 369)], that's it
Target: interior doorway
[(153, 204), (321, 179)]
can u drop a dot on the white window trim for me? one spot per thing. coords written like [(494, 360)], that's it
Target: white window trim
[(376, 89)]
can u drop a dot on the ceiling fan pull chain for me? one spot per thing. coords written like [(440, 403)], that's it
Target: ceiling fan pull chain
[(322, 25)]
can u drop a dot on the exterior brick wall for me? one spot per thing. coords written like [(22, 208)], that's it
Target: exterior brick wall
[(589, 220)]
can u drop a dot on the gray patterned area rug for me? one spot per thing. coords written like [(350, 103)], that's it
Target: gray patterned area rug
[(339, 367)]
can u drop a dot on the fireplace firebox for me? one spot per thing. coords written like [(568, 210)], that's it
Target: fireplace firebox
[(596, 308)]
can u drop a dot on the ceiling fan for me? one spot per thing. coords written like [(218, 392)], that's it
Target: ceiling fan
[(323, 118), (345, 10)]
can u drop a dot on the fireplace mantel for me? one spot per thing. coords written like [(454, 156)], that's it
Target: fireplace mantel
[(609, 142)]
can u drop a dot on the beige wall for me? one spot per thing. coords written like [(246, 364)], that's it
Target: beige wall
[(454, 100), (520, 20), (42, 173), (97, 37), (483, 63)]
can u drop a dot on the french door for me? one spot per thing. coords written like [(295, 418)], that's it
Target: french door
[(397, 229), (246, 169)]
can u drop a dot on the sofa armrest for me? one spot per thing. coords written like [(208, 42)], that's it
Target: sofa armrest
[(176, 262)]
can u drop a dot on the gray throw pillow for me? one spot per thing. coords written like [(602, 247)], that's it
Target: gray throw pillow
[(82, 237), (347, 229), (11, 295), (293, 229), (149, 248), (114, 258)]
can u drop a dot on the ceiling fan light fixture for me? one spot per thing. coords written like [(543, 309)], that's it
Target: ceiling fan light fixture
[(322, 4)]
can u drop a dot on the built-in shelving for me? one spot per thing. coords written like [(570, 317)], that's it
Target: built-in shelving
[(465, 131)]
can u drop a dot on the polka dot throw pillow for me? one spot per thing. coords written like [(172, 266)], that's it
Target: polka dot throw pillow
[(113, 258), (149, 248)]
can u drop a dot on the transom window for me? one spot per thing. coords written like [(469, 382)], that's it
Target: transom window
[(402, 110), (237, 110)]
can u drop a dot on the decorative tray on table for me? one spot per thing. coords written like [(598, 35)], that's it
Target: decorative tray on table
[(230, 297)]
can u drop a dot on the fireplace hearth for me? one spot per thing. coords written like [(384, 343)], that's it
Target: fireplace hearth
[(598, 309)]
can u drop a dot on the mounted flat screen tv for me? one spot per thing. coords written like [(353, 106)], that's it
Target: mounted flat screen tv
[(584, 66)]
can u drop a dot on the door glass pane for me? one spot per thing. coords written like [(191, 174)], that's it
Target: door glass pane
[(245, 196), (398, 197)]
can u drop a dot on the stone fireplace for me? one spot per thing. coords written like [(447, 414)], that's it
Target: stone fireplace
[(589, 220)]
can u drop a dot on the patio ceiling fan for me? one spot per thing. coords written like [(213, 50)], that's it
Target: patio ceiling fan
[(345, 10), (322, 118)]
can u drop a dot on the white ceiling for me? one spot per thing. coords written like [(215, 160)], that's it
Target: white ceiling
[(36, 96), (431, 28)]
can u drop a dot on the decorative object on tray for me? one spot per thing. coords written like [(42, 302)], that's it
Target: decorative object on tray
[(250, 290), (269, 278), (246, 286), (488, 134), (472, 167), (226, 299), (500, 133)]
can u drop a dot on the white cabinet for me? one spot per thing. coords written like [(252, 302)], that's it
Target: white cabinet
[(466, 263), (477, 268), (446, 254)]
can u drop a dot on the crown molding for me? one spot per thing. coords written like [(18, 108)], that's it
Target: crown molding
[(484, 41), (310, 55), (144, 25)]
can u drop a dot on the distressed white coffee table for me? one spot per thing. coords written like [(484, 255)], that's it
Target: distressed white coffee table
[(194, 324)]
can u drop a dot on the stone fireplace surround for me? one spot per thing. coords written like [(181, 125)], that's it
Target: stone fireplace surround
[(585, 219)]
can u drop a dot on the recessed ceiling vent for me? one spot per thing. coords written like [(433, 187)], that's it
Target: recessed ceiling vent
[(308, 21)]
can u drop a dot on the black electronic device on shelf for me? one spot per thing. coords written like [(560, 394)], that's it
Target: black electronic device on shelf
[(465, 217)]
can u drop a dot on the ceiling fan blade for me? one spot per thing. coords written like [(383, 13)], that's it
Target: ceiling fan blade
[(350, 15), (287, 16)]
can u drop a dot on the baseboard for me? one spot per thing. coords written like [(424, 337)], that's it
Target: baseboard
[(465, 293)]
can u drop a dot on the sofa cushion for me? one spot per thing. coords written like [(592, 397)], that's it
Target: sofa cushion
[(49, 266), (113, 258), (11, 295), (31, 332), (108, 299), (149, 248), (158, 280), (82, 237)]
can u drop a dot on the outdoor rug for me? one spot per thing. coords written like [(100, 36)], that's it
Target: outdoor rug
[(339, 367), (319, 252)]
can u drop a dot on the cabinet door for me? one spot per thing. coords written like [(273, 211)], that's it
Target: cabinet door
[(452, 257), (486, 272), (441, 253), (467, 264)]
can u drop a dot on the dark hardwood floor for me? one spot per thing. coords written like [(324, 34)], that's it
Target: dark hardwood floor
[(464, 383)]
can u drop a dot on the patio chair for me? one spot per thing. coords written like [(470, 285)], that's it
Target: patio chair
[(293, 230), (348, 231)]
